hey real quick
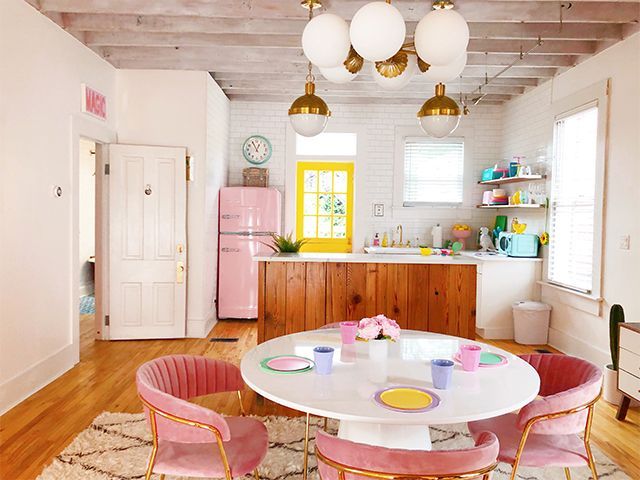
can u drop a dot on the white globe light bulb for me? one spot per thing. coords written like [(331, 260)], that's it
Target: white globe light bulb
[(441, 37), (446, 73), (338, 74), (377, 31), (439, 126), (399, 82), (308, 124), (325, 40)]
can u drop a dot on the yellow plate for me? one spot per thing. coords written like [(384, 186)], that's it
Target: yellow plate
[(406, 398)]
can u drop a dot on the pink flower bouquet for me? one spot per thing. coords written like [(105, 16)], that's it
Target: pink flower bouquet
[(378, 328)]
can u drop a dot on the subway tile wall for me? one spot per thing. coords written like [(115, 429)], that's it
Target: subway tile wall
[(270, 119)]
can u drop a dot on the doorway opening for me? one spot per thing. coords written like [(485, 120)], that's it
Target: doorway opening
[(87, 206)]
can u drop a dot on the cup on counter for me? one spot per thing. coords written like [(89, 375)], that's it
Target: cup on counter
[(323, 356), (441, 373), (348, 332), (470, 357)]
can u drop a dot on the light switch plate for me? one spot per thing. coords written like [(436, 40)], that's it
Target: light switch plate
[(378, 209), (625, 242)]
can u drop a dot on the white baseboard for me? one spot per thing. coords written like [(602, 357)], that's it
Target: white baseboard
[(25, 384), (505, 333), (573, 346), (200, 327)]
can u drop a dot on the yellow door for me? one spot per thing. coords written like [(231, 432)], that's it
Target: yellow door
[(324, 206)]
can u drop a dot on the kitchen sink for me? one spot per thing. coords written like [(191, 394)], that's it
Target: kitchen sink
[(393, 250)]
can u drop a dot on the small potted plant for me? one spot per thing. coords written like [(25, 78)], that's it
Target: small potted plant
[(285, 243), (610, 385), (377, 331)]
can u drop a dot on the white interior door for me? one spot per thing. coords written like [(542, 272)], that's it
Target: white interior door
[(147, 242)]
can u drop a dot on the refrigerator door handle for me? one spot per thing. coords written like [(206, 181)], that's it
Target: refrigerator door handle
[(226, 249), (228, 216)]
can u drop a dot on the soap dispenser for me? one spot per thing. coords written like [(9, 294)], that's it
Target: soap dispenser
[(385, 240)]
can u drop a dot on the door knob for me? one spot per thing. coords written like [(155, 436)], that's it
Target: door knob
[(180, 272), (147, 190)]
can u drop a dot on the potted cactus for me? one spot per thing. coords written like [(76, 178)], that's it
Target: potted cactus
[(610, 387)]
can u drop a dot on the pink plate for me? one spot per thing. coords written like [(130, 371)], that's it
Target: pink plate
[(288, 364)]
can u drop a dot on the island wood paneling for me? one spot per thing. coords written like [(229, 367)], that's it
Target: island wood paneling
[(297, 296)]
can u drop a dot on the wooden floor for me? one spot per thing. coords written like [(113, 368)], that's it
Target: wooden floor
[(33, 432)]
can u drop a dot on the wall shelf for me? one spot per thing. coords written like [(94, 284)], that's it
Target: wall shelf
[(525, 205), (505, 180)]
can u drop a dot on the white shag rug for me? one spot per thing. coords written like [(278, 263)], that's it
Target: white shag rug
[(116, 447)]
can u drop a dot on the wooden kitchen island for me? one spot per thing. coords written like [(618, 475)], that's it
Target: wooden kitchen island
[(300, 292)]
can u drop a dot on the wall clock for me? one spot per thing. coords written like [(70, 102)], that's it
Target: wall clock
[(257, 149)]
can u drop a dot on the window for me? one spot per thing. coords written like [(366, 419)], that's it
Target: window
[(325, 205), (433, 171), (573, 200)]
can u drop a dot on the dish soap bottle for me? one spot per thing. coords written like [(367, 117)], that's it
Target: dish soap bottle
[(385, 240), (376, 240)]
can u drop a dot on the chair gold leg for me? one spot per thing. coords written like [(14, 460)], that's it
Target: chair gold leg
[(567, 473), (154, 450), (305, 453), (325, 423), (242, 412), (256, 475), (587, 444), (162, 476)]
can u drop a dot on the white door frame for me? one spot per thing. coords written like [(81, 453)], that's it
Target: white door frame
[(82, 126)]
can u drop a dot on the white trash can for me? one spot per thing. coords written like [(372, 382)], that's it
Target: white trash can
[(531, 322)]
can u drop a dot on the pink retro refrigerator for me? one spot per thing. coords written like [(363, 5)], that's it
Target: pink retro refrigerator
[(248, 216)]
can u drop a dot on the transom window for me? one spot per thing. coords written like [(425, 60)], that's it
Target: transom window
[(433, 171), (325, 205)]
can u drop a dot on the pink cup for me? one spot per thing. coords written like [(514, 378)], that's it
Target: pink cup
[(470, 357), (348, 332)]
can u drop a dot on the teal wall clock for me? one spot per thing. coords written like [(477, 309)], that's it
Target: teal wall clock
[(257, 150)]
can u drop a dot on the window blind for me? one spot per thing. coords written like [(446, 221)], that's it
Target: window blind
[(572, 206), (433, 171)]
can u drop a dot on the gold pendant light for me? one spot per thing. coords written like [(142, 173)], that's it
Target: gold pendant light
[(440, 115)]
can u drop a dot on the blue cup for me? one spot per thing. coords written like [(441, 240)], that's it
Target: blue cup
[(323, 356), (441, 373)]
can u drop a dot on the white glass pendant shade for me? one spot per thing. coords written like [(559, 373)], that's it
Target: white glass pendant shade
[(377, 31), (446, 73), (325, 40), (441, 37), (308, 124), (439, 126), (338, 74), (400, 81)]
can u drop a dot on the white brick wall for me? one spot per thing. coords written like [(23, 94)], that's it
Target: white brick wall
[(380, 122)]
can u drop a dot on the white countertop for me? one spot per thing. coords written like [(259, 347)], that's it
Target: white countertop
[(465, 258)]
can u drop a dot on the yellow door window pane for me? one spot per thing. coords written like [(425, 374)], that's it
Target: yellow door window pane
[(326, 181), (324, 227), (310, 230), (310, 181), (310, 204)]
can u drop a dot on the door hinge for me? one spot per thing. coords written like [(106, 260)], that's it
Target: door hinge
[(107, 169), (188, 168), (106, 320)]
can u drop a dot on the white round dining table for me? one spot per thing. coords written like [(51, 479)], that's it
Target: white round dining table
[(347, 394)]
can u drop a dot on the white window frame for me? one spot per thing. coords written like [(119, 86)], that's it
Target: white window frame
[(402, 133), (594, 95)]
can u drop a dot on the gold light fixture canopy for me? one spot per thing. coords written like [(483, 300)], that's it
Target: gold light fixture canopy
[(309, 103), (440, 115)]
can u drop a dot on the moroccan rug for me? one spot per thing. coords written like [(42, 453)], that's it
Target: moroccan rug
[(116, 447)]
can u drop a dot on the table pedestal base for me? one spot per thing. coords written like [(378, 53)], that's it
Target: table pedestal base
[(410, 437)]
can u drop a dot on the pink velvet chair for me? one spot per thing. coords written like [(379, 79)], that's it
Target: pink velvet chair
[(190, 440), (545, 433), (344, 460)]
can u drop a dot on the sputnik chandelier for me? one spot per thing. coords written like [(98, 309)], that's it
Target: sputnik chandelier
[(377, 34)]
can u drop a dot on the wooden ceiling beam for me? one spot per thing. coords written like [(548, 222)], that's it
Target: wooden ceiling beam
[(214, 55), (188, 24), (406, 102), (412, 10), (135, 39)]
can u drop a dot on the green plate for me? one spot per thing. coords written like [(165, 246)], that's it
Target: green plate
[(487, 358), (263, 365)]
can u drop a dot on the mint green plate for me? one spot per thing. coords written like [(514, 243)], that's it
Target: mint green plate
[(266, 368), (487, 358)]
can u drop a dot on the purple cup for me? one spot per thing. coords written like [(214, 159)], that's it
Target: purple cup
[(470, 357), (348, 332), (441, 373), (323, 356)]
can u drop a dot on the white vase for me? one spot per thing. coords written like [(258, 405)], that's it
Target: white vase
[(378, 350), (610, 391)]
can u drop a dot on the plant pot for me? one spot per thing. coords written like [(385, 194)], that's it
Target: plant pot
[(610, 391), (378, 350)]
